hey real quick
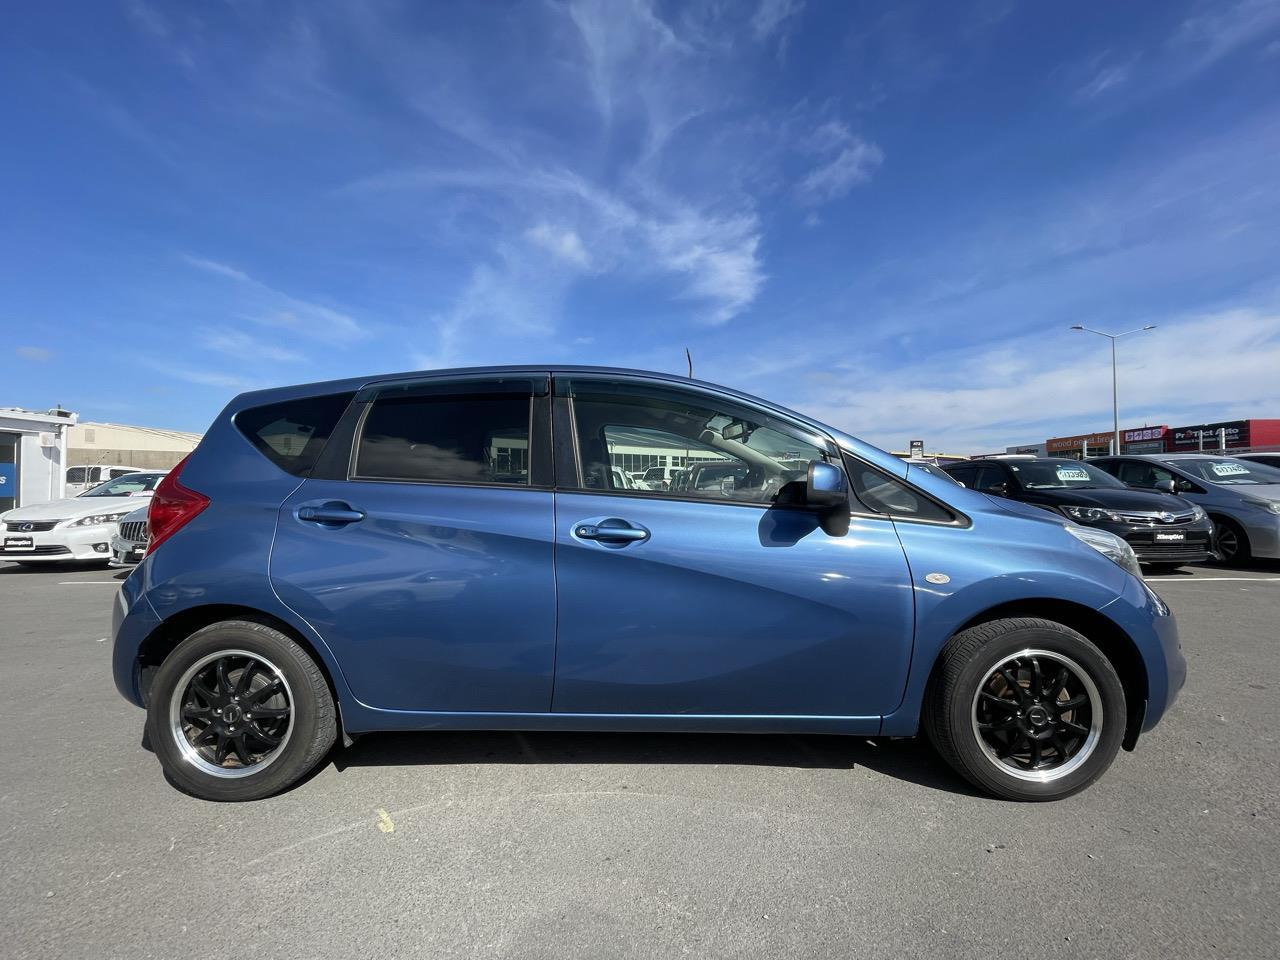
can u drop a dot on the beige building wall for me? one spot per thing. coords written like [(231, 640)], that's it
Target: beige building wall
[(148, 448)]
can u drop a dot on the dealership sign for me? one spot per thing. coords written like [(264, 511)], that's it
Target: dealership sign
[(1189, 438)]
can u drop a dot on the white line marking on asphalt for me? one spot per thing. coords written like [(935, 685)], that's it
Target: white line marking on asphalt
[(64, 583), (1212, 579)]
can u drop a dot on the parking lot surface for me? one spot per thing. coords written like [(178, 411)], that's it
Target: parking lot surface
[(601, 845)]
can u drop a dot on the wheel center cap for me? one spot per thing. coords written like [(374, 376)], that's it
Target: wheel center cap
[(1038, 716), (231, 713)]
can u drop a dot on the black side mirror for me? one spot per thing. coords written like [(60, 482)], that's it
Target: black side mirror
[(998, 490), (1166, 486)]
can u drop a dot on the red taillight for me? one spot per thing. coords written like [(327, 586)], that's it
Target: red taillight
[(172, 505)]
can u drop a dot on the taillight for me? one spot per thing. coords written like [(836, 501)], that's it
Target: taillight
[(172, 506)]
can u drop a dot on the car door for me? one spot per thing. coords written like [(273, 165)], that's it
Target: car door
[(422, 549), (721, 601)]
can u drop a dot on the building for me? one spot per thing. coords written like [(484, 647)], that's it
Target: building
[(33, 455), (1238, 435), (147, 448)]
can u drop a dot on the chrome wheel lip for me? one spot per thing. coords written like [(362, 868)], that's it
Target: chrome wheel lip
[(1091, 739), (190, 753)]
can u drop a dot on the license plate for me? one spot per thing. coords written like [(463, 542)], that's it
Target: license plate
[(18, 543), (1175, 537)]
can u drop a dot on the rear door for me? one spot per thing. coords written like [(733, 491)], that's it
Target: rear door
[(421, 546), (717, 601)]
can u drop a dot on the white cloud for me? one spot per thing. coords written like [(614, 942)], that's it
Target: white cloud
[(247, 348), (270, 307), (846, 161), (561, 242), (1059, 383), (40, 354), (770, 14)]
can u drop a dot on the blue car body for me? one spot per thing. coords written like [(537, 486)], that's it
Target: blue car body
[(481, 607)]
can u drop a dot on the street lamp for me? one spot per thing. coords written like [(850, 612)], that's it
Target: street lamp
[(1115, 403)]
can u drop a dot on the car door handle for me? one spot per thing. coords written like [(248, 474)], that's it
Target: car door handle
[(330, 513), (610, 531)]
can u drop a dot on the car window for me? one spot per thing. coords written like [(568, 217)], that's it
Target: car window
[(1061, 475), (754, 453), (448, 434), (122, 472), (1228, 471), (126, 486), (880, 493), (990, 477), (1140, 473), (292, 433), (964, 475), (75, 475)]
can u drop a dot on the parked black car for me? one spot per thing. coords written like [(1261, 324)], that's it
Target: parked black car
[(1164, 530)]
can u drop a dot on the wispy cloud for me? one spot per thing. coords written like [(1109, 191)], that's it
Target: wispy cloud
[(268, 306), (39, 354), (561, 242), (247, 348), (771, 14), (845, 160)]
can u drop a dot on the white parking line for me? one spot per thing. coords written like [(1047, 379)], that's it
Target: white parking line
[(65, 583), (1212, 579)]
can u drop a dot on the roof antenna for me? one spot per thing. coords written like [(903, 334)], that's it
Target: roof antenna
[(688, 356)]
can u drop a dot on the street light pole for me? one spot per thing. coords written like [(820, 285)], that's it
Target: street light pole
[(1115, 396)]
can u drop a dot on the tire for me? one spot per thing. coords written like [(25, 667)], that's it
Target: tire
[(967, 689), (1230, 541), (232, 669)]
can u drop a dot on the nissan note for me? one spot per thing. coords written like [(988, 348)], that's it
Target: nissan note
[(453, 550)]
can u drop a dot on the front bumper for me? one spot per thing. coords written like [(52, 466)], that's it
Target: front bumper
[(1263, 530), (125, 553), (1166, 542), (1150, 625), (58, 544)]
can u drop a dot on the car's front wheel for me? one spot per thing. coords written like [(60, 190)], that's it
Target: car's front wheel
[(1026, 709), (239, 711)]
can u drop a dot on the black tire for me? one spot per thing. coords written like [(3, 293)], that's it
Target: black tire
[(303, 696), (1230, 540), (966, 668)]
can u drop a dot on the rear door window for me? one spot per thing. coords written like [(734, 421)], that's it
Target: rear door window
[(448, 433), (76, 475), (292, 433)]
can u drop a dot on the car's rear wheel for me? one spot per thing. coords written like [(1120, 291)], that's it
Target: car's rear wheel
[(239, 711), (1026, 709), (1230, 540)]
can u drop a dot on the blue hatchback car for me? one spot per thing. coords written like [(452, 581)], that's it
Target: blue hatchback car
[(453, 550)]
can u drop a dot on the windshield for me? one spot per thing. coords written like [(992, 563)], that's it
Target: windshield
[(1061, 475), (1228, 470), (126, 486)]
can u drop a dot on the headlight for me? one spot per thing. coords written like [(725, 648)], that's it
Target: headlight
[(1109, 545), (1090, 514), (1197, 513), (1271, 506), (98, 519)]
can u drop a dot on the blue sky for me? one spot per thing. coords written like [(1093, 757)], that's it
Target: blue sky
[(884, 214)]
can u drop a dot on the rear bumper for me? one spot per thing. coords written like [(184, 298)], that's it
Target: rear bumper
[(132, 621)]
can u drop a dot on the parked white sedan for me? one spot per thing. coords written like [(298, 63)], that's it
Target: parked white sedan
[(75, 529)]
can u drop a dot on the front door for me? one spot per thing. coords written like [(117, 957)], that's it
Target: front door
[(429, 571), (710, 598)]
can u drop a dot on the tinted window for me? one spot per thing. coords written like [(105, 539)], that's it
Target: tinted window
[(990, 477), (750, 454), (965, 475), (1139, 473), (291, 434), (75, 475), (1228, 471), (1061, 475), (881, 493), (121, 473), (460, 437)]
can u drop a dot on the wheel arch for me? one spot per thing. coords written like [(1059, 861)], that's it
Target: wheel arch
[(165, 638), (1099, 629)]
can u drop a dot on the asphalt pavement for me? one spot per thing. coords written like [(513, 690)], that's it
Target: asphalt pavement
[(626, 845)]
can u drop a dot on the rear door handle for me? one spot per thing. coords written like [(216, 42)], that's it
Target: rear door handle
[(610, 531), (338, 513)]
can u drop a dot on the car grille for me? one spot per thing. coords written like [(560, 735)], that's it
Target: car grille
[(135, 531), (1189, 550), (1153, 519), (36, 526)]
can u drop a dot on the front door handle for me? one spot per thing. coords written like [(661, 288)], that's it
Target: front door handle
[(610, 531), (337, 513)]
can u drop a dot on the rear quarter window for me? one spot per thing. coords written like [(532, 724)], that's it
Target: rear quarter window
[(292, 433)]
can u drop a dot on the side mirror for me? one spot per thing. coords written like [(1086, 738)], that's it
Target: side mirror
[(1167, 486), (825, 485), (998, 490)]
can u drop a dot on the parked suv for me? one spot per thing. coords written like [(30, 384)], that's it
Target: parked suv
[(1240, 496), (1164, 531), (445, 550)]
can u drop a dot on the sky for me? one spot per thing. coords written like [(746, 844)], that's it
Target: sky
[(886, 215)]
